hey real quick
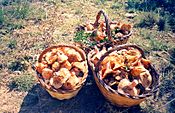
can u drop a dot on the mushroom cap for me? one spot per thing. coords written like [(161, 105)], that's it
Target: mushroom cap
[(127, 87), (89, 27), (55, 66), (40, 66), (47, 73), (80, 65), (146, 79), (145, 62), (71, 82), (50, 58), (56, 82)]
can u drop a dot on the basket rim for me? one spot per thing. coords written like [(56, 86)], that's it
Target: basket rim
[(154, 85), (51, 88)]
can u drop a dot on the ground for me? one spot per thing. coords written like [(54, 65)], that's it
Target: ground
[(19, 89)]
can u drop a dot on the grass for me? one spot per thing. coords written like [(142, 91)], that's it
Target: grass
[(141, 5), (147, 20), (148, 40), (18, 65), (154, 44), (12, 44), (82, 37), (20, 11), (98, 2), (14, 13), (117, 5), (22, 82), (1, 16), (164, 10)]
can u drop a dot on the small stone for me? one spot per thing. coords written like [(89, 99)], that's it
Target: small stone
[(130, 15)]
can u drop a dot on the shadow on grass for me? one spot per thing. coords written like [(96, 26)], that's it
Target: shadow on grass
[(88, 100)]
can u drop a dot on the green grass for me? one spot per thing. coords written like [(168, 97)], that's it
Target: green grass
[(148, 40), (22, 82), (117, 5), (154, 43), (18, 65), (13, 14), (82, 37), (12, 44), (147, 20), (98, 2), (171, 21), (20, 10), (1, 16), (162, 13), (146, 5)]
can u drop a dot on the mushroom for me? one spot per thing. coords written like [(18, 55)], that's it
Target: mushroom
[(119, 35), (40, 66), (145, 79), (127, 87), (100, 32), (56, 82), (132, 56), (145, 62), (116, 61), (62, 75), (89, 27), (66, 65), (54, 51), (137, 70), (100, 35), (106, 70), (50, 58), (73, 55), (47, 73), (122, 52), (55, 66), (71, 82), (125, 28), (75, 71), (80, 65), (61, 57), (118, 78), (113, 26)]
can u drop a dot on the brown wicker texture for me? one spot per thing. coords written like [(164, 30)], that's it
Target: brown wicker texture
[(60, 93), (112, 41), (114, 96)]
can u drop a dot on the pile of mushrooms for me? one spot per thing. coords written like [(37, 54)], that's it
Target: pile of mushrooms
[(99, 33), (62, 68), (125, 71)]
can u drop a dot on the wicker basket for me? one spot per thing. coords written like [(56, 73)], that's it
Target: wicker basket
[(115, 97), (60, 93), (112, 41)]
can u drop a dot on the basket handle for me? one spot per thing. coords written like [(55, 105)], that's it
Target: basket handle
[(108, 31)]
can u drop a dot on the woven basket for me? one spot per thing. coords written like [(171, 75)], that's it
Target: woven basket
[(60, 93), (112, 41), (114, 96)]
